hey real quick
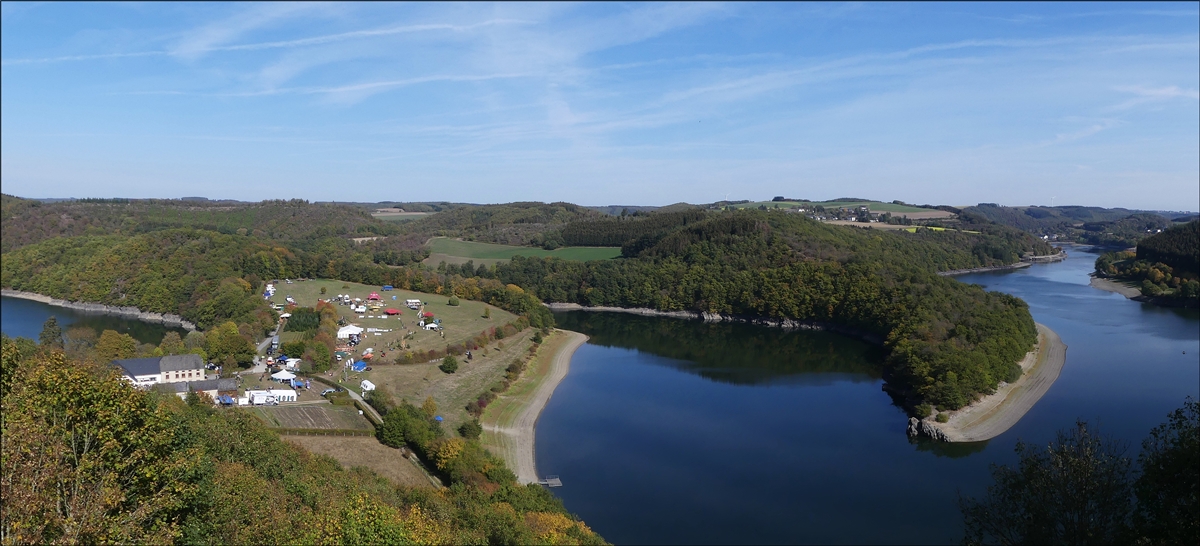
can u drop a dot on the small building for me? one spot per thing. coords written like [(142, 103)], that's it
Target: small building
[(145, 372), (270, 397), (212, 387)]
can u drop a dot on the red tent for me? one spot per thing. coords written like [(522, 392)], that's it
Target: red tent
[(391, 311), (373, 296), (428, 314)]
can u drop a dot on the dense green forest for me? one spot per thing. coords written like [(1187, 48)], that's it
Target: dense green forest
[(89, 459), (1087, 225), (947, 341), (1166, 265)]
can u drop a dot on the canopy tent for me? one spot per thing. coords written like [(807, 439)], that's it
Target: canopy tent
[(373, 296), (366, 386), (359, 366), (391, 311), (283, 375), (346, 331), (427, 314)]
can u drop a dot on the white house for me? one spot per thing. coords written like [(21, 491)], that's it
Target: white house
[(144, 372)]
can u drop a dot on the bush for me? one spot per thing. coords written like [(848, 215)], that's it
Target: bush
[(537, 337), (942, 418), (453, 301), (471, 429), (449, 364), (923, 411)]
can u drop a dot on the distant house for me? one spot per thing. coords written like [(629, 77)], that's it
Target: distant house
[(145, 372)]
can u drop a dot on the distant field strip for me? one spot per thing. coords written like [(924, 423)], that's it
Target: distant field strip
[(399, 216), (875, 205), (488, 251)]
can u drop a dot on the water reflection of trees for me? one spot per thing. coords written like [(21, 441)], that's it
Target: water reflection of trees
[(733, 353)]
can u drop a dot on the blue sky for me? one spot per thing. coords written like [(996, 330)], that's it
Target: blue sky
[(1094, 104)]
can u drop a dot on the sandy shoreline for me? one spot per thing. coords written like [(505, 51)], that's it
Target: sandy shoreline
[(516, 438), (166, 319), (1113, 286), (993, 414)]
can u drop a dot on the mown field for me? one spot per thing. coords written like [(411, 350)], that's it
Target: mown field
[(315, 417), (399, 216), (457, 252)]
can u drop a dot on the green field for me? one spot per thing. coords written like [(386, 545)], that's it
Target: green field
[(399, 216), (875, 205), (487, 251)]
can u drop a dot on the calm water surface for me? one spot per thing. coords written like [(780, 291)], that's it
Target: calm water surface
[(24, 318), (671, 431)]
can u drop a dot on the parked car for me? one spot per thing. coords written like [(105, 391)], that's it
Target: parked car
[(329, 391)]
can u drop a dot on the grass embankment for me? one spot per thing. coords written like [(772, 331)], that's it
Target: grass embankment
[(508, 423), (452, 392), (454, 251), (364, 452)]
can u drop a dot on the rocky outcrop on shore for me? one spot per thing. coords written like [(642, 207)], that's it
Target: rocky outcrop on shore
[(787, 324), (921, 427), (166, 319)]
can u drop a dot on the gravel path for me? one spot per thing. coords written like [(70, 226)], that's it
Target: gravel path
[(518, 438), (991, 415)]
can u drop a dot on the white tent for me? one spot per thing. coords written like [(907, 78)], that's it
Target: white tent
[(283, 375), (366, 386), (345, 331)]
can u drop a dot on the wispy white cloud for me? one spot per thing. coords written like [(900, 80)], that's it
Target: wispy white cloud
[(1144, 94), (192, 48)]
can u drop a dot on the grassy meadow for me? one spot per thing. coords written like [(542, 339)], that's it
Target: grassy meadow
[(459, 323)]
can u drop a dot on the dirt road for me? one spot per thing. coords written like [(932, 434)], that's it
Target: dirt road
[(991, 415), (516, 436)]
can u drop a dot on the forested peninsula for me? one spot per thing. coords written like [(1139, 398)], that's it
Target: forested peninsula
[(946, 342), (1165, 267)]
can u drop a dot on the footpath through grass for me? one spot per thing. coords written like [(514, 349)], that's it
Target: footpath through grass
[(488, 251)]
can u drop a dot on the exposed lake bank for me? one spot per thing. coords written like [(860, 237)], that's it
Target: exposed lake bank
[(1118, 287), (166, 319), (509, 425), (1025, 262), (993, 414)]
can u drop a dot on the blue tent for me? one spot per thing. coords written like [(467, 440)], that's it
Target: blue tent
[(359, 366), (387, 287), (225, 399), (438, 418)]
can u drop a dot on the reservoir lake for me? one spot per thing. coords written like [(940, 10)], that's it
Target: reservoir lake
[(676, 431), (24, 318)]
